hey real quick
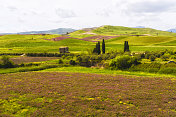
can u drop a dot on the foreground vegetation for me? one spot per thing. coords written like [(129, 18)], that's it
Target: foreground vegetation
[(75, 94)]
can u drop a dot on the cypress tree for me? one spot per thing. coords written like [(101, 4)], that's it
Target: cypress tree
[(126, 46), (103, 46), (95, 49), (98, 48)]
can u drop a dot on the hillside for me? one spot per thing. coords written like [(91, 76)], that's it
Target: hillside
[(140, 39), (120, 30)]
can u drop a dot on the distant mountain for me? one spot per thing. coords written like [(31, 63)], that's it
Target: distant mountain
[(172, 30), (54, 31), (139, 27)]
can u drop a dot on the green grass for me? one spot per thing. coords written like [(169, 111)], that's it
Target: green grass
[(78, 69), (25, 69), (142, 40), (170, 43), (118, 30), (35, 43), (80, 34)]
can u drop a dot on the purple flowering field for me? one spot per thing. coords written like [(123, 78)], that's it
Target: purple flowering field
[(50, 94)]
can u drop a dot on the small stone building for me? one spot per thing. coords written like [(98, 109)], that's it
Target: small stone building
[(64, 50)]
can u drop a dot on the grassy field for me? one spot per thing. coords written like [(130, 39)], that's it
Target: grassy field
[(120, 30), (37, 43), (45, 43), (77, 94)]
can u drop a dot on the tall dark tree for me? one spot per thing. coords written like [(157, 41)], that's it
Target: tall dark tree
[(98, 48), (126, 46), (103, 47), (95, 49)]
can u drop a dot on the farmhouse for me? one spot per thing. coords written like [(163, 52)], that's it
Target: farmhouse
[(64, 50)]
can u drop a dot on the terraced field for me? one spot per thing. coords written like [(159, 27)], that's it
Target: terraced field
[(78, 94)]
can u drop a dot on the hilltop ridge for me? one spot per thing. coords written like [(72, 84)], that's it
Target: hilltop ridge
[(121, 30)]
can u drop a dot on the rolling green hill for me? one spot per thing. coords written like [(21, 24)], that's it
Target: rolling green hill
[(39, 43), (120, 30), (140, 39)]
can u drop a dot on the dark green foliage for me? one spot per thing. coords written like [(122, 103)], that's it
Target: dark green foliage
[(170, 65), (168, 70), (6, 63), (60, 61), (97, 49), (103, 47), (123, 62), (72, 62), (152, 57), (147, 67), (126, 46), (165, 57)]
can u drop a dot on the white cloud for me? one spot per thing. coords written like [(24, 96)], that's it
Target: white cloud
[(26, 15), (65, 13), (157, 6)]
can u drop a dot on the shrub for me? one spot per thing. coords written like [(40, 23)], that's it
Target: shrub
[(72, 62), (123, 62), (168, 70), (152, 57), (146, 67), (165, 57), (147, 55), (171, 65), (6, 63), (60, 61)]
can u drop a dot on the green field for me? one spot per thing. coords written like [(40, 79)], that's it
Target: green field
[(44, 43), (40, 86), (120, 30), (34, 43)]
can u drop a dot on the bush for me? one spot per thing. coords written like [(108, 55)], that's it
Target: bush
[(168, 70), (60, 61), (6, 63), (146, 67), (170, 65), (123, 62), (72, 62), (165, 57), (152, 58)]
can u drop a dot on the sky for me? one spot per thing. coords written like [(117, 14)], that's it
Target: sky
[(36, 15)]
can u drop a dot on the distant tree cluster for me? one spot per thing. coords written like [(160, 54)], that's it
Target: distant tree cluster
[(97, 49)]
